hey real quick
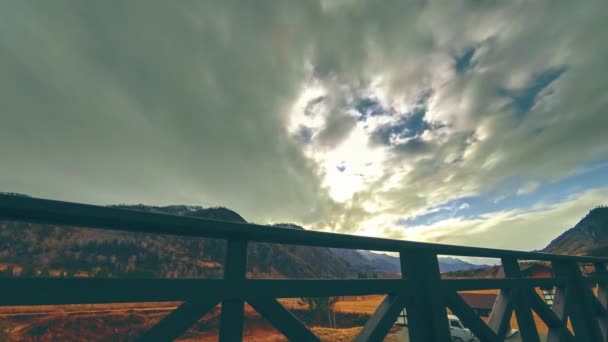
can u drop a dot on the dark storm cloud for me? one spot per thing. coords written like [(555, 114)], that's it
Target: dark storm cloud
[(194, 102), (151, 101)]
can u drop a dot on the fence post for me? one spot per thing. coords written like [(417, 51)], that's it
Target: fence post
[(231, 321), (577, 302), (520, 302), (500, 317), (602, 296), (426, 311)]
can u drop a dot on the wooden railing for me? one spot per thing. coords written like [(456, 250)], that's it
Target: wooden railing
[(420, 290)]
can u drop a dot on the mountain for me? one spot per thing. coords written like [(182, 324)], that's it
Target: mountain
[(367, 261), (32, 248), (449, 264), (588, 237)]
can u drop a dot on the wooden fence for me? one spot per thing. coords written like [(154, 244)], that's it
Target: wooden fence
[(420, 289)]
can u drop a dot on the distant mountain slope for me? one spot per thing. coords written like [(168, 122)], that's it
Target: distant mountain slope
[(367, 261), (588, 237), (32, 248), (88, 252), (450, 264)]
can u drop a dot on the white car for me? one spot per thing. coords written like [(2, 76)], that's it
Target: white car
[(458, 331)]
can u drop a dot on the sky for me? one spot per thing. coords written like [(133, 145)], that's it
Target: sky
[(477, 122)]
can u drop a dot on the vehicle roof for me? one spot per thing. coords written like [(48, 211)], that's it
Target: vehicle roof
[(452, 317)]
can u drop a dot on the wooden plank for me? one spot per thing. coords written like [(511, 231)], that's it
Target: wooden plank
[(291, 288), (469, 318), (556, 333), (83, 215), (596, 306), (553, 322), (39, 291), (600, 313), (283, 320), (591, 308), (231, 320), (498, 283), (602, 286), (56, 291), (43, 291), (577, 303), (426, 311), (602, 297), (500, 317), (520, 302), (179, 321), (381, 322), (385, 315)]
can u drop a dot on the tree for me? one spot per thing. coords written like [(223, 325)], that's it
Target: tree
[(320, 307)]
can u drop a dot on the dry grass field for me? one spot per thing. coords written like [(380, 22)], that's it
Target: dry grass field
[(118, 322), (103, 321)]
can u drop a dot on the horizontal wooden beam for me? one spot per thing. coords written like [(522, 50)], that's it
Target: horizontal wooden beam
[(46, 291), (498, 283), (83, 215), (39, 291), (51, 291)]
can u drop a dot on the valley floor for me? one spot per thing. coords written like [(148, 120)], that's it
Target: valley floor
[(121, 322)]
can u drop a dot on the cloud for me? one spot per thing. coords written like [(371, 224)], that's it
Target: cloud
[(157, 103), (527, 188), (464, 61), (524, 99), (497, 229), (301, 111)]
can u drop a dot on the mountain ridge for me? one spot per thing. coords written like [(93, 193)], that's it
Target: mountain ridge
[(588, 237), (82, 251)]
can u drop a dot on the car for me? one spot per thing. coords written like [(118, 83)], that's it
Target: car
[(458, 332)]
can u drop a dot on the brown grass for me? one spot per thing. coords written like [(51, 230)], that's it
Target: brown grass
[(80, 308), (110, 321), (367, 305), (129, 317), (267, 335)]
